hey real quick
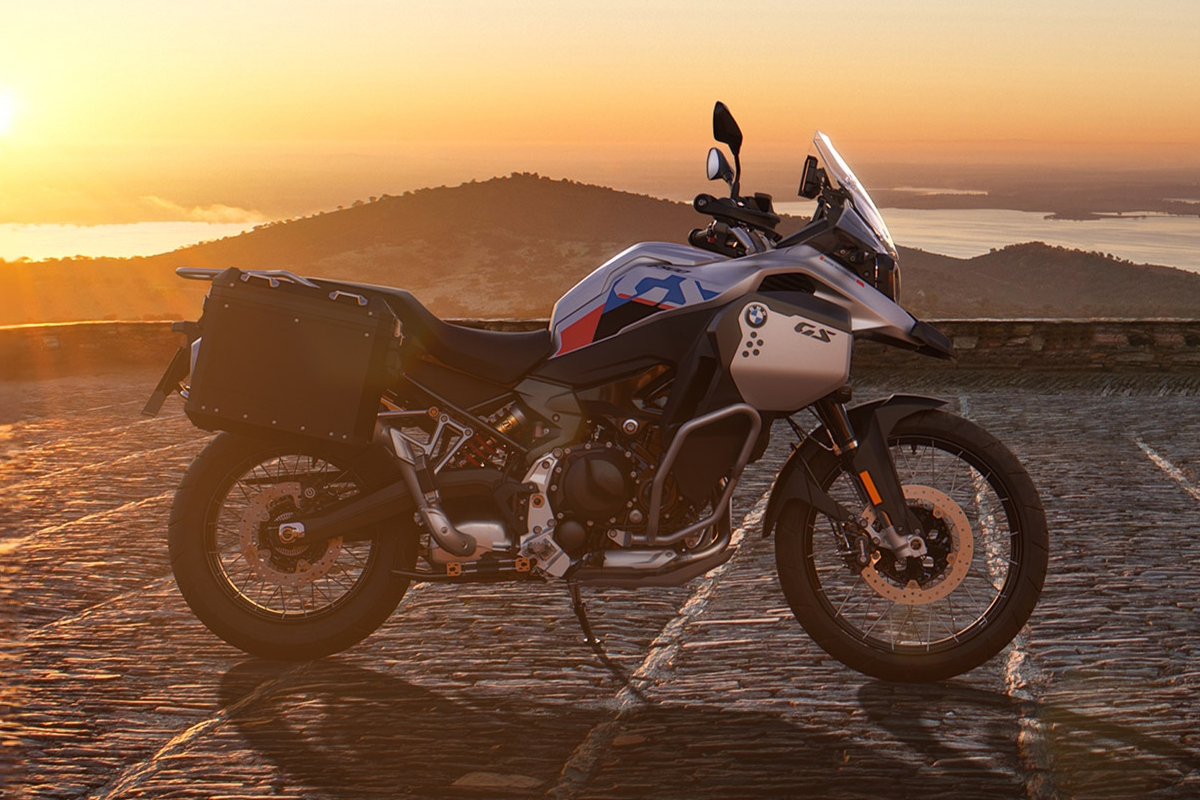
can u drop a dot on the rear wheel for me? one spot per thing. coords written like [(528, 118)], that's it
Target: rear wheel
[(931, 618), (259, 587)]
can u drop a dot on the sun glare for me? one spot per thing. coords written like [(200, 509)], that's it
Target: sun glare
[(8, 110)]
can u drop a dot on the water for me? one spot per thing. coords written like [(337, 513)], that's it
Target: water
[(39, 242), (1144, 238)]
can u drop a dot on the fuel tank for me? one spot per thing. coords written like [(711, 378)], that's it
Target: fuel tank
[(656, 277), (644, 280)]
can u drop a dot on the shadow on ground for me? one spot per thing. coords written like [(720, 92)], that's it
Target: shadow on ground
[(339, 729)]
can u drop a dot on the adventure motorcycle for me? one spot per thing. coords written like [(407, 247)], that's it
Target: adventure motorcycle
[(366, 444)]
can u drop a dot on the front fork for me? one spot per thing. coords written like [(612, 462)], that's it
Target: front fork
[(868, 461)]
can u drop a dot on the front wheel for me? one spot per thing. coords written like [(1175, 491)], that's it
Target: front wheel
[(264, 590), (932, 618)]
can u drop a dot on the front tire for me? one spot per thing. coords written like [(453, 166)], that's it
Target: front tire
[(261, 593), (988, 544)]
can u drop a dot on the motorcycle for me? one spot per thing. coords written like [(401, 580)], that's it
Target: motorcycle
[(365, 444)]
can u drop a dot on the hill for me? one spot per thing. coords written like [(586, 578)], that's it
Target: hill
[(1038, 280), (509, 247)]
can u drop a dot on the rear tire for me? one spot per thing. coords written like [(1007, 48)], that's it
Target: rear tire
[(272, 598), (923, 636)]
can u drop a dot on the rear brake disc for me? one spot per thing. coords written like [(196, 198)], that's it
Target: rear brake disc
[(260, 556)]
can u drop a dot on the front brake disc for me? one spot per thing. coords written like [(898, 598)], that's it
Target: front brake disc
[(958, 560)]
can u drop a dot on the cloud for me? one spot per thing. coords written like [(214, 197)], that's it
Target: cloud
[(216, 212)]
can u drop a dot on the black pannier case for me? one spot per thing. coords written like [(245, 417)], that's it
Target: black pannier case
[(280, 356)]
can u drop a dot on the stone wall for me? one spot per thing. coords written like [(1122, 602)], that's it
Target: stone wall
[(47, 351), (1048, 344), (1147, 346)]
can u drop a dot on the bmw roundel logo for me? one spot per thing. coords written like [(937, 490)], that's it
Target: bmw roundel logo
[(756, 315)]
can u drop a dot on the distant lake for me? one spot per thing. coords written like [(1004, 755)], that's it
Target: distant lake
[(1141, 238), (38, 242), (1149, 239)]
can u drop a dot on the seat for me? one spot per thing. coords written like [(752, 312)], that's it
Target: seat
[(502, 357)]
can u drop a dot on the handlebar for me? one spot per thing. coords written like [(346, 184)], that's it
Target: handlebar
[(738, 228), (726, 209)]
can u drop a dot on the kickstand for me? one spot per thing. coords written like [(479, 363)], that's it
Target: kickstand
[(581, 614), (591, 641)]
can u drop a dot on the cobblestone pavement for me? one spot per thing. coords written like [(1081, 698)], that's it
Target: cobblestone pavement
[(112, 689)]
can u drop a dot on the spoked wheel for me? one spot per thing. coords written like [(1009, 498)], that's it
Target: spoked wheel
[(938, 616), (256, 583)]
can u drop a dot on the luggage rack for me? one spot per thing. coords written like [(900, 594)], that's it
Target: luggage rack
[(272, 276)]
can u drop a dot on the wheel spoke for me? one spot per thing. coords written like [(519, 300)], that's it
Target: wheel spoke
[(867, 632), (271, 587), (942, 622), (853, 591)]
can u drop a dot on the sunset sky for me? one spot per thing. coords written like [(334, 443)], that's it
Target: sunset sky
[(224, 110)]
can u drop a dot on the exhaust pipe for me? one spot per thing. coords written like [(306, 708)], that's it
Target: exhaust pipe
[(428, 501)]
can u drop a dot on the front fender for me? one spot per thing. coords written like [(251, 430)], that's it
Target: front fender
[(796, 482)]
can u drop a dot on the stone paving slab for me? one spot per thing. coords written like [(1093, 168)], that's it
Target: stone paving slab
[(113, 690)]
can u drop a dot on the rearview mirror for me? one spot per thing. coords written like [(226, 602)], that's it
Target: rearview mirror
[(718, 167), (725, 128)]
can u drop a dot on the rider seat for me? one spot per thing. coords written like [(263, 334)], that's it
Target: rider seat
[(502, 357)]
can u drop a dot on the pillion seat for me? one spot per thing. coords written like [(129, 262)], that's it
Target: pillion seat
[(502, 357)]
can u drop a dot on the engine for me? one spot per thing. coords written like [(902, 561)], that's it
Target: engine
[(605, 484), (597, 484)]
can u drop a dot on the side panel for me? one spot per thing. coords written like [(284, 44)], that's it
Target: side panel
[(657, 277), (666, 339), (785, 353)]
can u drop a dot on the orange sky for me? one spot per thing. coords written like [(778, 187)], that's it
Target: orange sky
[(140, 109)]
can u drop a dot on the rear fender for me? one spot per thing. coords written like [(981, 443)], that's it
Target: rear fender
[(872, 422)]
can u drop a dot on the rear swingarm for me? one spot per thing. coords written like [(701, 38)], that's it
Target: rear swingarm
[(392, 501)]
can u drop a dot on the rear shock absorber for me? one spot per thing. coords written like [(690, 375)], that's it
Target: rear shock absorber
[(482, 449)]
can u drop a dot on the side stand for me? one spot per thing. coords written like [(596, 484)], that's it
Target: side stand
[(589, 638), (581, 614)]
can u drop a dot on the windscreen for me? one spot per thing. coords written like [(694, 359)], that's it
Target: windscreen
[(840, 174)]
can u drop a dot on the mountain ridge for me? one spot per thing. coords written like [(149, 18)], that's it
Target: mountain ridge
[(509, 247)]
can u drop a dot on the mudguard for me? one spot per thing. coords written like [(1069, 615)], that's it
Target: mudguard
[(796, 482)]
